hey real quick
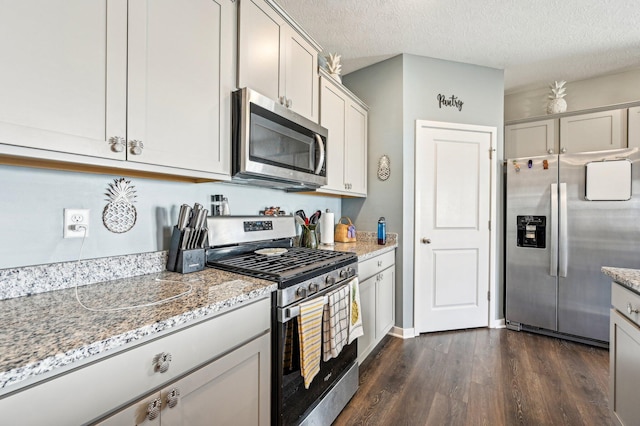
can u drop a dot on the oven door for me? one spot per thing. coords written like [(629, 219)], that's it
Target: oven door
[(292, 402)]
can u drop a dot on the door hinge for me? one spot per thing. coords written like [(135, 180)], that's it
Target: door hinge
[(489, 296), (489, 225)]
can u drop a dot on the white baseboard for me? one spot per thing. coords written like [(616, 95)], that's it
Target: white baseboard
[(403, 333), (499, 323)]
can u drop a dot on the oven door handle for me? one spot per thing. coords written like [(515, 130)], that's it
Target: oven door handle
[(285, 314), (322, 150)]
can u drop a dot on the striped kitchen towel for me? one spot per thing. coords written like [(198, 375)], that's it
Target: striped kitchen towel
[(310, 337), (335, 323), (355, 314)]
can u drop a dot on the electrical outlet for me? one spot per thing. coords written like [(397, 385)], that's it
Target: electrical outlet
[(76, 223)]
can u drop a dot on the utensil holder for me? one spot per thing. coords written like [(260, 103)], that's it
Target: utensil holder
[(309, 237)]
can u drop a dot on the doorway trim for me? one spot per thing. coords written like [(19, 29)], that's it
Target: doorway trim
[(492, 321)]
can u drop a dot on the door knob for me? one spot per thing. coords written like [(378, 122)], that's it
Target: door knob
[(426, 240)]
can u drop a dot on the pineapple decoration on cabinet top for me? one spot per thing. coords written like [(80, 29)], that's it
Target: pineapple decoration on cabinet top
[(556, 103), (119, 215)]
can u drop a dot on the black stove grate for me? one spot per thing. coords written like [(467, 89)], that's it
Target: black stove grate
[(296, 262)]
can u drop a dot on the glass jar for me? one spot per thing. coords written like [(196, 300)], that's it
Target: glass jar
[(309, 237)]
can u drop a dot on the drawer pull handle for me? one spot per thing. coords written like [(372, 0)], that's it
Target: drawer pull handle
[(153, 409), (631, 309), (172, 397), (161, 362), (379, 263)]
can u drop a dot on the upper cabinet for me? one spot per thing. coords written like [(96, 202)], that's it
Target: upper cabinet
[(145, 82), (633, 138), (276, 58), (593, 132), (531, 139), (346, 118)]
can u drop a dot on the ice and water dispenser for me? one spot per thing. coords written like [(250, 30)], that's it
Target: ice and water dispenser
[(531, 231)]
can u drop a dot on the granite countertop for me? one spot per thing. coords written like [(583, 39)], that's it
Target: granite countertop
[(50, 330), (629, 278), (46, 332)]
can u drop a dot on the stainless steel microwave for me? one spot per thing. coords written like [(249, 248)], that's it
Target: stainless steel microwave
[(274, 146)]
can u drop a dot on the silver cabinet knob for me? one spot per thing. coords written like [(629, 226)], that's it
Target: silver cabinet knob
[(153, 409), (563, 150), (135, 147), (282, 100), (161, 362), (289, 103), (117, 143), (631, 309), (172, 397), (426, 240), (550, 151)]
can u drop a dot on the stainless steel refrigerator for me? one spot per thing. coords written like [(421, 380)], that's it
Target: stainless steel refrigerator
[(567, 216)]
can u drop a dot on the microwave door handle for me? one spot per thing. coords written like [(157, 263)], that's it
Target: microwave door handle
[(321, 160)]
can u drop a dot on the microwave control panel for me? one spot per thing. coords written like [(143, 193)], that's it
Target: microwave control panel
[(531, 231)]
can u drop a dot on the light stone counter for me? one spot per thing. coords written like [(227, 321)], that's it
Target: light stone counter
[(45, 332), (366, 245), (629, 278)]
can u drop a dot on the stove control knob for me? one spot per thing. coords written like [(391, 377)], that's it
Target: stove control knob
[(301, 292), (313, 288), (330, 280), (344, 274)]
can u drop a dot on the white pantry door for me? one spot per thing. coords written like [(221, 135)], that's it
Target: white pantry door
[(452, 236)]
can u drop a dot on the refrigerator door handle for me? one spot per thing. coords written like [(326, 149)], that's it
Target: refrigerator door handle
[(553, 270), (563, 239)]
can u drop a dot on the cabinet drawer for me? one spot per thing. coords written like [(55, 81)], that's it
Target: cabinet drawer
[(372, 266), (625, 301), (111, 382)]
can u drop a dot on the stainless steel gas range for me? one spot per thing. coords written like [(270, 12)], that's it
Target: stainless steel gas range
[(262, 246)]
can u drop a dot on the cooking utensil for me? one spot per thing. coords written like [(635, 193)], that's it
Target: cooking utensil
[(302, 215), (315, 217), (300, 221)]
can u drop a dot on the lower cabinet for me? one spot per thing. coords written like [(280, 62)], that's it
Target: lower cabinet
[(377, 299), (624, 353), (231, 390), (216, 371)]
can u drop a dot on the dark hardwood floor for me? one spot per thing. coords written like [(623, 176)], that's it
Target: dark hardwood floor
[(481, 377)]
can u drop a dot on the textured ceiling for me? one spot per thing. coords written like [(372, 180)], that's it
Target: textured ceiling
[(535, 41)]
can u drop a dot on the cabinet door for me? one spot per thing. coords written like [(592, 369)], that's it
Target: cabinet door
[(355, 167), (385, 285), (633, 140), (301, 78), (593, 132), (624, 370), (333, 107), (260, 52), (63, 75), (178, 82), (366, 342), (530, 139), (233, 390)]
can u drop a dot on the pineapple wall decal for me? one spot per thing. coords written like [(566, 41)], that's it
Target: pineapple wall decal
[(120, 215), (556, 103)]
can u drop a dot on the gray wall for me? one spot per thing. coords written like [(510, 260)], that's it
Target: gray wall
[(33, 201), (409, 85)]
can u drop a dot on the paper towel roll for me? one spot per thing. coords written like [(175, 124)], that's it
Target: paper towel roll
[(327, 223)]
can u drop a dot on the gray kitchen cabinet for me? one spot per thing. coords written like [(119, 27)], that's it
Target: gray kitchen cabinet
[(346, 118), (624, 353), (633, 126), (596, 131), (201, 358), (377, 299), (230, 390), (531, 139), (277, 58), (131, 85)]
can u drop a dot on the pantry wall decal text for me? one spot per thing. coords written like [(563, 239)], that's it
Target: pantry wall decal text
[(451, 101)]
